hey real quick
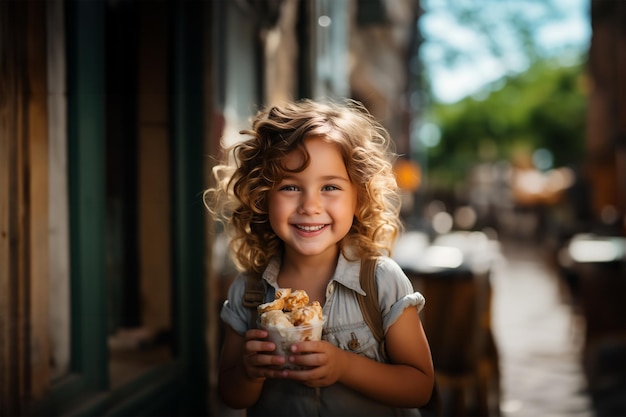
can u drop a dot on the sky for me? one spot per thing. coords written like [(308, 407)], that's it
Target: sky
[(565, 34)]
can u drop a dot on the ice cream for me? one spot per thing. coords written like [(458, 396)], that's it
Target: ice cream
[(291, 318)]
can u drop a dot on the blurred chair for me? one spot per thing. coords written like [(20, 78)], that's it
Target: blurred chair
[(457, 322), (598, 265)]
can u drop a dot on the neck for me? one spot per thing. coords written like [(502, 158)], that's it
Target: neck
[(306, 264), (309, 273)]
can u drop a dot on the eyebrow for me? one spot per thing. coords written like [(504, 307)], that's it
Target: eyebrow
[(323, 178)]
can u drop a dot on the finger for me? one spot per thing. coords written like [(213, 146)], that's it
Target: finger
[(302, 375), (264, 360), (255, 334), (307, 347), (307, 360), (274, 373), (254, 346)]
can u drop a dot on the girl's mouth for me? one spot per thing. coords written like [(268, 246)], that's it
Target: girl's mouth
[(310, 228)]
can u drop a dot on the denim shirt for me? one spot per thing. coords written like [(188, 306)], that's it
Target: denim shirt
[(343, 323)]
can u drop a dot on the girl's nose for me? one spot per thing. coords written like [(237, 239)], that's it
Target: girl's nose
[(310, 203)]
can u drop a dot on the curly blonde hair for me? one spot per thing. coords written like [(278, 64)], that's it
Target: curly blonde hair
[(240, 197)]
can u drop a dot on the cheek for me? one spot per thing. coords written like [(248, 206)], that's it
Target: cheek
[(354, 204), (346, 209), (272, 207), (278, 210), (354, 210)]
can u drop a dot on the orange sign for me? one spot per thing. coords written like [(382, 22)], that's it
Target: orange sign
[(408, 174)]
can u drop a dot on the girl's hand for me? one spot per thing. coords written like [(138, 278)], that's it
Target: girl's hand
[(258, 360), (323, 363)]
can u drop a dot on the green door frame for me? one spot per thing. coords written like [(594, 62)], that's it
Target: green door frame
[(189, 235), (179, 386)]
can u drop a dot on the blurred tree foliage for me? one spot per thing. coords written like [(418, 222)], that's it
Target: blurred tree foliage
[(543, 107)]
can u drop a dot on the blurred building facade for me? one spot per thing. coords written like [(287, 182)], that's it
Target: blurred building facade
[(111, 118), (606, 116)]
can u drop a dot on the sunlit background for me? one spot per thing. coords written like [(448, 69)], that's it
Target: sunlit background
[(469, 47)]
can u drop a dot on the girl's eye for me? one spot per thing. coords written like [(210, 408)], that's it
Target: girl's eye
[(330, 188), (289, 188)]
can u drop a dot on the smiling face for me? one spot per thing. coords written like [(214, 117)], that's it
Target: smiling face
[(312, 210)]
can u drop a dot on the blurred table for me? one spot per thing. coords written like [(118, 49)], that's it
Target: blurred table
[(453, 274), (597, 265)]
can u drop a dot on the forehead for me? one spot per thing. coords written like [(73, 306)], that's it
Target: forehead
[(317, 149)]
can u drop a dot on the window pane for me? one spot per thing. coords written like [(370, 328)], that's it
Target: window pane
[(138, 191)]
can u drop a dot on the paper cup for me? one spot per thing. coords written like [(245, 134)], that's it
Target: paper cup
[(283, 338)]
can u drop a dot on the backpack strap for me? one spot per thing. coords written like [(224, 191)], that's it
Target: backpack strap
[(254, 296), (370, 307)]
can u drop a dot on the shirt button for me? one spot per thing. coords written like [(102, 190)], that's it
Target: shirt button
[(354, 343), (331, 288)]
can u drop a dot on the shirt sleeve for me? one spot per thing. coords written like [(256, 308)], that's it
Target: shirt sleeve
[(233, 312), (395, 291)]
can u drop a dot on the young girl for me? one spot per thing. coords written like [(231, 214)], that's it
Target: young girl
[(310, 194)]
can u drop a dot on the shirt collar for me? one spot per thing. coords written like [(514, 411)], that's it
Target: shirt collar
[(346, 273)]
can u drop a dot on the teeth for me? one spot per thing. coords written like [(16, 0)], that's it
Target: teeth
[(310, 228)]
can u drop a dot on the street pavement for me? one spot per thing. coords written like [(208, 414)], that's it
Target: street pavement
[(539, 338)]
